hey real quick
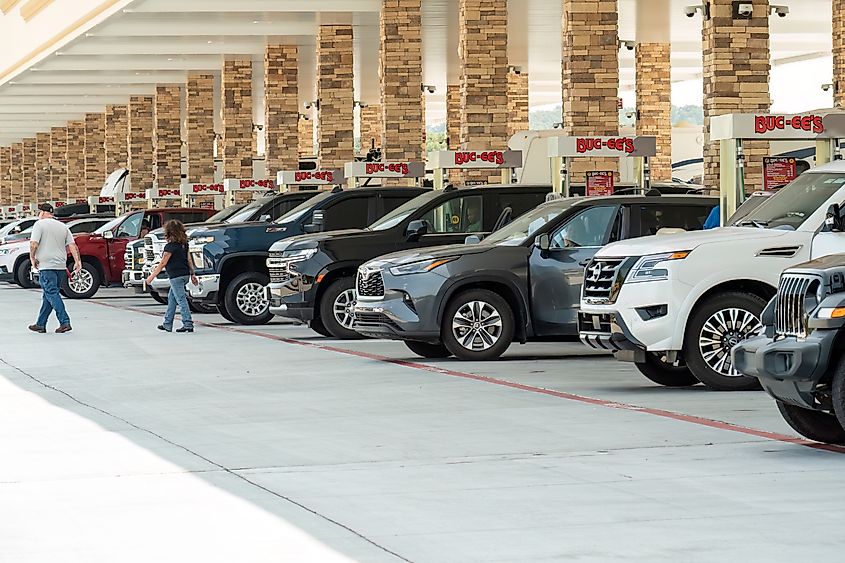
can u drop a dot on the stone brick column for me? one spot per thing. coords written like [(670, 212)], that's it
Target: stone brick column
[(200, 127), (281, 108), (483, 48), (43, 188), (838, 24), (29, 175), (335, 91), (736, 80), (306, 136), (517, 102), (237, 118), (453, 116), (58, 163), (95, 153), (590, 65), (141, 110), (167, 138), (76, 159), (654, 104), (117, 138), (371, 129), (400, 69), (5, 175), (16, 174)]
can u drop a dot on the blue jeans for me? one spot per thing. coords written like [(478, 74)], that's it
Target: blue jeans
[(178, 295), (50, 281)]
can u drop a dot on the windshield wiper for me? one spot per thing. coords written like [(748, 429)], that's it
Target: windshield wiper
[(758, 224)]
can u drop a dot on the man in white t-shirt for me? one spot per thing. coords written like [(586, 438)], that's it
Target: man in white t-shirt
[(48, 247)]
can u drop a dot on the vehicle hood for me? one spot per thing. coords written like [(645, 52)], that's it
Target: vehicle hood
[(430, 253), (216, 229), (657, 244), (313, 240)]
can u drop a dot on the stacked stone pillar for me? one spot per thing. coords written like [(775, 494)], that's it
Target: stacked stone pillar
[(654, 82), (237, 118), (400, 68), (200, 127), (167, 137), (141, 110), (281, 108), (5, 172), (58, 163), (517, 102), (736, 80), (590, 65), (76, 160), (483, 48), (335, 92), (838, 25), (43, 188), (453, 116), (306, 136), (28, 171), (371, 128), (16, 174), (95, 153), (117, 138)]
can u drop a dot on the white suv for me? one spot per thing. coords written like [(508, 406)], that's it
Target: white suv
[(676, 304)]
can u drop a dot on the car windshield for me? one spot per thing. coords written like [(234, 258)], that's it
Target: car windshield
[(528, 223), (794, 203), (109, 226), (403, 211), (303, 208), (224, 214), (244, 214)]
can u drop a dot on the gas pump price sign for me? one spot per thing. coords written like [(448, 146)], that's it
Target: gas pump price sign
[(599, 183), (778, 171)]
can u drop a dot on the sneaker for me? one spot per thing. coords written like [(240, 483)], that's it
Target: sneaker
[(164, 328), (64, 328), (37, 328), (183, 329)]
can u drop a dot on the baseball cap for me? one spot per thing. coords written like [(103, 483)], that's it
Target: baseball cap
[(45, 207)]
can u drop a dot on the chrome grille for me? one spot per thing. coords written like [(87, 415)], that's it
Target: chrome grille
[(599, 277), (149, 255), (278, 268), (790, 313), (370, 283)]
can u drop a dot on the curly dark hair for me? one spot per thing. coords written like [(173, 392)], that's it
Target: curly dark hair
[(174, 231)]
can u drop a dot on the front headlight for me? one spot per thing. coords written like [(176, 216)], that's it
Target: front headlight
[(646, 269), (299, 255), (420, 267), (202, 240)]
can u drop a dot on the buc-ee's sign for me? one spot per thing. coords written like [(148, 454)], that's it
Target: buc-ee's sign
[(131, 196), (389, 169), (569, 147), (309, 177), (807, 123), (202, 189), (164, 193), (477, 159), (777, 126)]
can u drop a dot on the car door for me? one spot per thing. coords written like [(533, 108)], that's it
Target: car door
[(450, 221), (355, 212), (125, 233), (650, 217), (557, 274)]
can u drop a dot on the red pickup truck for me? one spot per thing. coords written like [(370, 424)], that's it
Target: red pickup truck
[(102, 251)]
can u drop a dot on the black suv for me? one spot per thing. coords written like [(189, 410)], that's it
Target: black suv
[(799, 359), (312, 278), (522, 283), (231, 260)]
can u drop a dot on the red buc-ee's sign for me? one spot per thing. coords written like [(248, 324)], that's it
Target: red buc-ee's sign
[(622, 144), (768, 123), (323, 175), (465, 157)]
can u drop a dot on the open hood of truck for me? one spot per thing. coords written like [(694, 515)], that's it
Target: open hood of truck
[(657, 244)]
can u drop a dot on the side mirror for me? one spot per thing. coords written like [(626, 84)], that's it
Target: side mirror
[(833, 220), (416, 229), (108, 235), (543, 242), (318, 219), (264, 218), (472, 239)]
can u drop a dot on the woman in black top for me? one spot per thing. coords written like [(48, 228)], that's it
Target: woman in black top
[(179, 270)]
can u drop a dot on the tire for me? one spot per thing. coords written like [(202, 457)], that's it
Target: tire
[(158, 297), (84, 284), (22, 274), (662, 373), (837, 390), (245, 300), (815, 425), (317, 326), (221, 308), (201, 308), (465, 318), (426, 350), (719, 323), (336, 309)]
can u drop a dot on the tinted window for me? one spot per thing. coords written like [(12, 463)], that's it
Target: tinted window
[(588, 228), (131, 227), (85, 227), (348, 213), (520, 202), (187, 217), (687, 217), (457, 215), (391, 202)]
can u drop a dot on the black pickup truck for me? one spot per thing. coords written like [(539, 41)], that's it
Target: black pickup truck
[(800, 358), (231, 260), (312, 278)]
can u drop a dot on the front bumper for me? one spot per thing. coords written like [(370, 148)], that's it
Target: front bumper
[(206, 291), (789, 369), (391, 318), (293, 299), (133, 279), (608, 331), (6, 275)]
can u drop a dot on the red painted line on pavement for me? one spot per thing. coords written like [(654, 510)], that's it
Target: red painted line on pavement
[(692, 419)]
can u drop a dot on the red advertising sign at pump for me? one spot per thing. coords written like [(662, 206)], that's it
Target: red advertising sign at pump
[(599, 183), (778, 171), (310, 177)]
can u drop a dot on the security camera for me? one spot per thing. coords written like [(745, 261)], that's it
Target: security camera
[(429, 88), (690, 11), (781, 11), (827, 87), (307, 105), (628, 45), (745, 9)]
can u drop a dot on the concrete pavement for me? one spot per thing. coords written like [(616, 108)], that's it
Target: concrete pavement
[(121, 443)]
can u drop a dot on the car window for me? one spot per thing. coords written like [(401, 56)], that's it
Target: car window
[(458, 215), (588, 228), (520, 202), (84, 227), (154, 221), (687, 217), (348, 213), (130, 228), (187, 217)]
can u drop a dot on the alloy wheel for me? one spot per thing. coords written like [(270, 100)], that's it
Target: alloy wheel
[(477, 325), (721, 332), (80, 282), (343, 308), (252, 300)]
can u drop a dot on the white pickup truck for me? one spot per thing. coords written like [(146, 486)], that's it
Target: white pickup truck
[(676, 304)]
